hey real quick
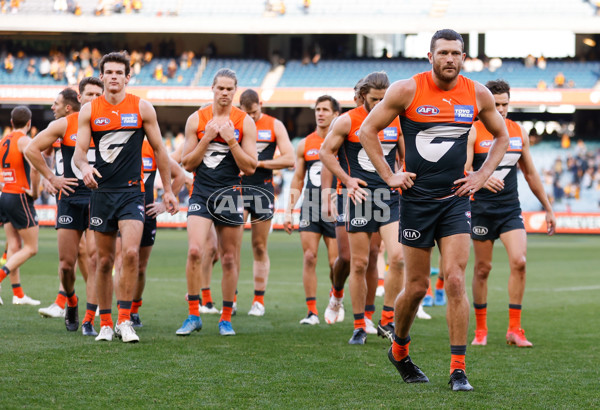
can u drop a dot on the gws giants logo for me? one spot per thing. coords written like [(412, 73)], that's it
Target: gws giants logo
[(102, 121), (194, 207), (428, 110), (411, 234), (95, 221), (480, 230), (65, 219)]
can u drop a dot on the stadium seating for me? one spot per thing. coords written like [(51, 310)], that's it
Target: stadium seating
[(250, 73)]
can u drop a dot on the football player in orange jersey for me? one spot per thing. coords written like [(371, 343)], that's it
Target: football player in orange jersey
[(496, 213), (72, 219), (312, 225), (436, 109), (258, 190), (21, 187)]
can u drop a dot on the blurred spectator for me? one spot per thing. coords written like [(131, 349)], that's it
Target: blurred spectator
[(565, 141), (71, 73), (31, 67), (148, 56), (60, 6), (136, 5), (9, 63), (559, 80), (44, 66), (186, 60), (570, 84), (541, 62), (541, 85), (495, 63), (305, 6), (158, 72), (84, 57), (96, 56), (172, 68), (529, 61)]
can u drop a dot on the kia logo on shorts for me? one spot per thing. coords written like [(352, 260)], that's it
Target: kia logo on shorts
[(480, 230), (95, 221), (304, 223), (194, 207), (65, 219), (341, 218), (358, 222), (102, 121), (411, 234)]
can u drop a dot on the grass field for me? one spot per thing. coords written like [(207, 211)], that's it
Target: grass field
[(274, 362)]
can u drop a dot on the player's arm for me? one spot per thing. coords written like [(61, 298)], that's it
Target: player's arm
[(295, 187), (194, 149), (535, 183), (152, 131), (286, 150), (34, 176), (177, 176), (40, 144), (397, 97), (84, 136), (492, 184), (244, 154), (494, 123)]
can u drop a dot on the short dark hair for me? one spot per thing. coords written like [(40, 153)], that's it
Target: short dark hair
[(498, 87), (225, 72), (374, 81), (248, 98), (115, 57), (446, 34), (357, 87), (335, 105), (70, 98), (90, 80), (20, 116)]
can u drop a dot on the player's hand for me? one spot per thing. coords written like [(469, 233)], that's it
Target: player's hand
[(88, 177), (355, 192), (494, 184), (402, 180), (33, 193), (470, 184), (170, 202), (48, 187), (211, 130), (63, 184), (328, 206), (155, 208), (227, 131), (550, 222), (288, 226)]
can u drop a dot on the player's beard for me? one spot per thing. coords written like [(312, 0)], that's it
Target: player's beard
[(439, 72)]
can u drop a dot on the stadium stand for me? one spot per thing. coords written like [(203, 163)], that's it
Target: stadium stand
[(250, 73)]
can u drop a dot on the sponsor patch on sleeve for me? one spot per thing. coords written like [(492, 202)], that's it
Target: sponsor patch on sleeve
[(516, 143), (390, 134), (129, 120), (264, 135)]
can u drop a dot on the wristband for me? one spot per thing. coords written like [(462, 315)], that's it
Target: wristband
[(232, 145)]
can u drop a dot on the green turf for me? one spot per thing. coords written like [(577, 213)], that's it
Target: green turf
[(274, 362)]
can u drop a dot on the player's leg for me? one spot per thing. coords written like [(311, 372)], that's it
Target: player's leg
[(29, 236), (339, 273), (83, 261), (145, 252), (515, 242), (198, 229), (131, 236), (483, 266), (105, 250), (359, 259), (440, 293), (210, 256), (230, 240), (381, 270), (87, 326), (372, 281), (68, 249), (261, 265), (455, 255), (310, 247)]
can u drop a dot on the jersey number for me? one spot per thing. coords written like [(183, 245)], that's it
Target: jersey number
[(4, 163), (433, 151)]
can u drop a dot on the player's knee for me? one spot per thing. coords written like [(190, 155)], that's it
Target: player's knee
[(260, 250), (483, 269), (396, 260), (105, 263), (228, 261), (310, 258), (131, 254), (359, 264), (194, 253), (66, 266), (454, 285)]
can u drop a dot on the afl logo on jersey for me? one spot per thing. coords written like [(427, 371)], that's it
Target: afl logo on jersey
[(312, 152), (411, 234), (102, 121), (428, 110), (73, 137), (486, 144)]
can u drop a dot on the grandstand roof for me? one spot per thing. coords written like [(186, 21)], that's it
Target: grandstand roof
[(324, 16)]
